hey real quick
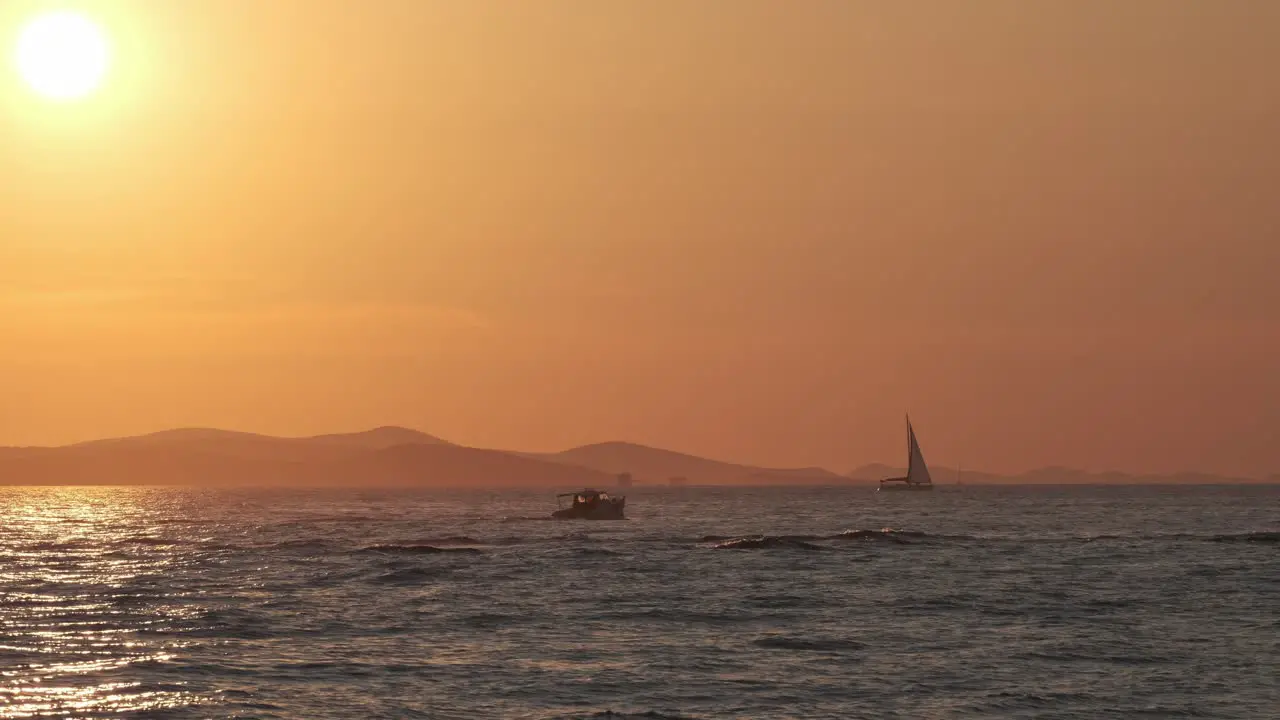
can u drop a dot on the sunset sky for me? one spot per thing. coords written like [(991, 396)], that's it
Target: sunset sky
[(756, 230)]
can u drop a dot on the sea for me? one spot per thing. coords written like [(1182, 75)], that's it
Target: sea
[(967, 602)]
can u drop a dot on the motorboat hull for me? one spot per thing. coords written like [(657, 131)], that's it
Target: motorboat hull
[(609, 510)]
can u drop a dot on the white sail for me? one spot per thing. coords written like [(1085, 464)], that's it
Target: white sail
[(917, 471)]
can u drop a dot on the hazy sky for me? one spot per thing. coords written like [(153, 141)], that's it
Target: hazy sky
[(757, 230)]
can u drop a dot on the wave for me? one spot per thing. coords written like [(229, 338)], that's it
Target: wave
[(884, 535), (611, 715), (509, 540), (57, 546), (598, 551), (300, 544), (725, 617), (418, 549), (1254, 537), (512, 540), (218, 547), (411, 576), (908, 537), (181, 521), (705, 539), (489, 620), (453, 540), (778, 642), (741, 541), (767, 542), (341, 519), (152, 541), (469, 543)]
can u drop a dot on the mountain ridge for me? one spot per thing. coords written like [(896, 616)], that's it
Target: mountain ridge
[(658, 465), (1058, 475), (398, 456)]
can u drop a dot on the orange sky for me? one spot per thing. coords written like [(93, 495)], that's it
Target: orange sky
[(749, 229)]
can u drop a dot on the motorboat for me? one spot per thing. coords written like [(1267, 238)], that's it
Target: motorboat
[(589, 505)]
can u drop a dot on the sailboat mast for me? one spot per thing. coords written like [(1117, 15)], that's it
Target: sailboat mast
[(909, 453)]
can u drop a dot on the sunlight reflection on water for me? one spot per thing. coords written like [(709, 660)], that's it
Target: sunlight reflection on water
[(71, 617)]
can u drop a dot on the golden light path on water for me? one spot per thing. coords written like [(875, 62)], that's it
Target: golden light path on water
[(81, 610)]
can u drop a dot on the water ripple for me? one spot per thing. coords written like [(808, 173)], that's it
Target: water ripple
[(822, 603)]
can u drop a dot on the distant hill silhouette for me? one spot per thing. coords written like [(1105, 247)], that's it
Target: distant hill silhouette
[(653, 465), (253, 445), (1054, 475), (456, 466), (402, 457), (379, 438), (386, 456)]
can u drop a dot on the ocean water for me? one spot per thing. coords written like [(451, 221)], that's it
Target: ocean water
[(1068, 602)]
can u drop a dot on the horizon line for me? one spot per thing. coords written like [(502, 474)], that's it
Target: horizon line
[(850, 474)]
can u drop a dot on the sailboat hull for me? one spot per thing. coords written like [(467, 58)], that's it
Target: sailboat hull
[(905, 487)]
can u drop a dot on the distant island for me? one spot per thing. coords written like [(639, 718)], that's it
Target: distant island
[(402, 457)]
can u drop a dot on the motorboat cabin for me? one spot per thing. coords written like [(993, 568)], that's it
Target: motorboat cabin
[(589, 505)]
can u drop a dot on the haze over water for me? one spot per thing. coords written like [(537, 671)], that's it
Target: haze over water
[(746, 229), (1082, 602)]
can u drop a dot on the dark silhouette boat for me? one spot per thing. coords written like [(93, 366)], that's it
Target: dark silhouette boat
[(589, 505), (917, 477)]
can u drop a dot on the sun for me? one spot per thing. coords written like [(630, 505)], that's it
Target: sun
[(62, 55)]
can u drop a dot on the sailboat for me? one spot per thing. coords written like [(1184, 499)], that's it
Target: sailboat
[(917, 477)]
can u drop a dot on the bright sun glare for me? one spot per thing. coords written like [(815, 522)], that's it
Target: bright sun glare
[(62, 55)]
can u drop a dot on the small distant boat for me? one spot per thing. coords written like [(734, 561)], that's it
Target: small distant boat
[(917, 477), (589, 505)]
